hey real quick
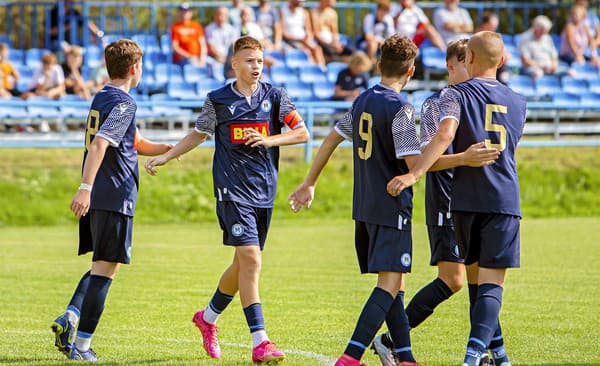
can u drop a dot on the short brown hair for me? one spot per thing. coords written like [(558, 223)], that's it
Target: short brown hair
[(384, 5), (360, 60), (245, 42), (397, 55), (120, 56), (49, 58), (457, 49)]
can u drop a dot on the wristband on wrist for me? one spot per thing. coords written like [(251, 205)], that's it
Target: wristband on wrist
[(85, 187), (100, 34)]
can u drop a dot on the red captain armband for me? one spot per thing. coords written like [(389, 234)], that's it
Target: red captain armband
[(292, 119)]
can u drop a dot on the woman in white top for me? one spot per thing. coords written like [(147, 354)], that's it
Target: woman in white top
[(297, 30)]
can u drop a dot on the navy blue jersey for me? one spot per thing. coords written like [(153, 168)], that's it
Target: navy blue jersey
[(112, 117), (382, 127), (438, 184), (347, 81), (242, 173), (486, 110)]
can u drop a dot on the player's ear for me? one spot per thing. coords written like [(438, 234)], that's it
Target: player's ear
[(411, 71), (501, 62)]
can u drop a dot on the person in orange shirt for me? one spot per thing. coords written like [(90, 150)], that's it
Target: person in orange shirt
[(187, 37), (7, 86)]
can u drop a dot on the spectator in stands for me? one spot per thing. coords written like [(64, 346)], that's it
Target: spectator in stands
[(297, 30), (235, 13), (576, 39), (377, 27), (354, 79), (48, 80), (490, 22), (187, 39), (220, 35), (412, 22), (591, 20), (70, 14), (324, 20), (74, 83), (537, 50), (99, 77), (452, 21), (248, 27), (8, 75), (268, 19)]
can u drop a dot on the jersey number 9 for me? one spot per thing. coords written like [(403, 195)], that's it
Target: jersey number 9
[(367, 136)]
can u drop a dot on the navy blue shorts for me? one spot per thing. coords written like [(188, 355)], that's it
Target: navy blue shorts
[(108, 234), (443, 245), (491, 239), (382, 248), (243, 224)]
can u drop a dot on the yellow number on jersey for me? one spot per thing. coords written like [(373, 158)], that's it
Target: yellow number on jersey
[(490, 126), (367, 136), (92, 127)]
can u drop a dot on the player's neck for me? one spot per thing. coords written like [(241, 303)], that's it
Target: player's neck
[(395, 83), (483, 73), (245, 88), (123, 84)]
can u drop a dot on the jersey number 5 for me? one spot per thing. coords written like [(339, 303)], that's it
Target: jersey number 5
[(490, 126), (367, 136), (92, 127)]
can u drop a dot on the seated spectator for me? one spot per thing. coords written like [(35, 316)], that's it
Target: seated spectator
[(8, 75), (235, 12), (538, 53), (452, 21), (324, 20), (377, 27), (297, 30), (412, 22), (268, 20), (576, 39), (354, 79), (220, 35), (99, 77), (74, 83), (248, 27), (591, 20), (187, 39), (490, 22), (48, 80)]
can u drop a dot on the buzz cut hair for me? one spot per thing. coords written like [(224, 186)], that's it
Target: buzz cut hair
[(246, 42), (457, 49), (120, 55), (398, 55)]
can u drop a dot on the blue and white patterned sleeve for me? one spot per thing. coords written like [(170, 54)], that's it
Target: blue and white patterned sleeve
[(404, 131), (449, 104), (430, 119), (118, 121), (207, 120), (288, 113), (343, 126)]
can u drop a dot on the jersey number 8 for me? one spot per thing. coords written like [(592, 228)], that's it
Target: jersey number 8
[(92, 127)]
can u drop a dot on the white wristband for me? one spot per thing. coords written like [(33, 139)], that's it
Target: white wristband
[(85, 187)]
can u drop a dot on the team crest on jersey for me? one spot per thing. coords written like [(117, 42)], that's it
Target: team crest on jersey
[(405, 259), (238, 133), (237, 229), (231, 109), (266, 106)]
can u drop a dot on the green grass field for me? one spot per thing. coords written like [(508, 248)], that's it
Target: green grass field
[(311, 291)]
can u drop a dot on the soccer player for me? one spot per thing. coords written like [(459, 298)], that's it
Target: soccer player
[(106, 199), (245, 118), (484, 201), (381, 126), (444, 249)]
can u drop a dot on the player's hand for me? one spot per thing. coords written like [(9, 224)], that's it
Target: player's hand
[(301, 197), (255, 138), (400, 183), (153, 162), (478, 155), (80, 205)]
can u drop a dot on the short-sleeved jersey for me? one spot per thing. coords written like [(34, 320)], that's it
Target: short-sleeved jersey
[(486, 110), (243, 173), (438, 184), (112, 117), (382, 128)]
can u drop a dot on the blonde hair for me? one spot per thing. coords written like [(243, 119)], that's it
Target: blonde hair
[(361, 61), (246, 42)]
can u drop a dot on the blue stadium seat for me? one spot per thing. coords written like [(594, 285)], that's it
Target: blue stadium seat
[(148, 42), (182, 90), (299, 91), (33, 57), (434, 58), (165, 72), (13, 112), (110, 38), (312, 74), (217, 71), (5, 39), (167, 110), (562, 99), (547, 85), (589, 99), (281, 74), (16, 57), (522, 84), (584, 71), (142, 112), (594, 84), (37, 110), (324, 90), (508, 40), (418, 97), (24, 71), (71, 111), (516, 39), (204, 86), (406, 96), (374, 80), (295, 58), (556, 40), (333, 69), (574, 86), (93, 56), (515, 57), (165, 43), (276, 55), (193, 73)]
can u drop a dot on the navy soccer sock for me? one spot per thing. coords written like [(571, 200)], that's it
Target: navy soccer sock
[(93, 303), (485, 317), (219, 301), (80, 291), (473, 288), (370, 320), (254, 317), (421, 306), (397, 323)]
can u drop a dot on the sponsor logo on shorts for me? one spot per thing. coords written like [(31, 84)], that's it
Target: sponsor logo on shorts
[(405, 259), (237, 230), (238, 136)]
